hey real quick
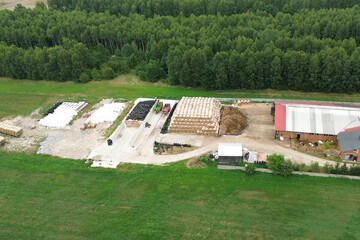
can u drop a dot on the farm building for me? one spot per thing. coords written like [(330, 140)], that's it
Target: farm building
[(349, 140), (320, 121), (196, 115), (311, 120), (230, 152)]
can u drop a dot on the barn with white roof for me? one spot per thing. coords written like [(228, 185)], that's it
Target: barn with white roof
[(311, 120), (320, 121)]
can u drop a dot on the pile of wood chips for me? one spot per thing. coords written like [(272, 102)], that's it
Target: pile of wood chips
[(232, 121)]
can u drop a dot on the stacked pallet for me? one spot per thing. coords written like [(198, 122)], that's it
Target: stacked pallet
[(196, 116), (2, 140), (10, 130)]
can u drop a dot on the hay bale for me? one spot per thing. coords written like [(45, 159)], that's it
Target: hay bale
[(193, 114), (10, 129)]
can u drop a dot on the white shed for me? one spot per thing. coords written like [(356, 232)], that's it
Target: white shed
[(230, 152)]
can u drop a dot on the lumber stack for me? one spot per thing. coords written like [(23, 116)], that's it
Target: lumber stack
[(10, 130), (196, 115)]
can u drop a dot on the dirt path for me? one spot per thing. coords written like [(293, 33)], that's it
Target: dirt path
[(312, 174), (255, 144), (210, 145), (11, 4)]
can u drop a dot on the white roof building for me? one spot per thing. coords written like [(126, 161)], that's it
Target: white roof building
[(230, 150), (313, 118)]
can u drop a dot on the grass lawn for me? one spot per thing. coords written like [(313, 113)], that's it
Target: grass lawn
[(23, 104), (24, 96), (50, 198)]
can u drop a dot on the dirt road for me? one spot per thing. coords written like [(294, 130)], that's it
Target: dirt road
[(312, 174), (11, 4)]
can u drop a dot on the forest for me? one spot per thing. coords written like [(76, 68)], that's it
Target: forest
[(297, 45), (150, 8)]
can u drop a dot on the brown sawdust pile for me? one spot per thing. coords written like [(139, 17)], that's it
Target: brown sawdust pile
[(232, 121)]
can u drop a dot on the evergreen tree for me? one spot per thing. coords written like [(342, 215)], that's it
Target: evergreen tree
[(275, 73)]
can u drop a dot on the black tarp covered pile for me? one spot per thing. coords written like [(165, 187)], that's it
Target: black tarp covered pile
[(167, 122), (51, 110), (141, 110)]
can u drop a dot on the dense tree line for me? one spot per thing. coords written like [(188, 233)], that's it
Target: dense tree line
[(309, 50), (72, 61), (46, 28), (150, 8)]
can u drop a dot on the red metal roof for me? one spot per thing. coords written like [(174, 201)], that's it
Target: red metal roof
[(350, 129), (280, 117), (353, 126)]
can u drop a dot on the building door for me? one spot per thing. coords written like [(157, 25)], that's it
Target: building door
[(298, 136)]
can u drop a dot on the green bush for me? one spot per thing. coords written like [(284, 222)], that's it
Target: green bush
[(151, 71), (315, 167), (208, 161), (327, 145), (133, 61), (336, 169), (250, 169), (279, 165), (300, 167), (354, 170), (107, 72), (328, 167), (344, 170), (126, 50), (303, 167), (84, 78), (95, 74), (296, 167), (119, 66)]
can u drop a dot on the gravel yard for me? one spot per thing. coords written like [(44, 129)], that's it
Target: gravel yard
[(69, 142)]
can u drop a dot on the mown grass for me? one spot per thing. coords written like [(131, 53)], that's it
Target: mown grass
[(18, 103), (23, 96), (50, 198)]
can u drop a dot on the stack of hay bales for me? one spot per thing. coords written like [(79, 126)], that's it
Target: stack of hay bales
[(10, 130), (238, 103), (196, 115)]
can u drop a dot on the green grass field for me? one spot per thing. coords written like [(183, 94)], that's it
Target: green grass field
[(49, 198), (25, 96)]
